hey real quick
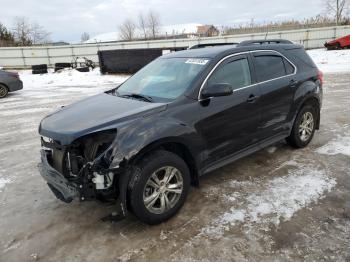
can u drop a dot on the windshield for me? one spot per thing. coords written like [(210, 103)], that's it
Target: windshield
[(163, 79)]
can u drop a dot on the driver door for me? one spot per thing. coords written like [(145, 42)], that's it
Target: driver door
[(230, 123)]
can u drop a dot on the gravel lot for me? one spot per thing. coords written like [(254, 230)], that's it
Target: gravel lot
[(278, 204)]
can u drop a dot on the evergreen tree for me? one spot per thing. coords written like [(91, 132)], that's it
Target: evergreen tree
[(6, 37)]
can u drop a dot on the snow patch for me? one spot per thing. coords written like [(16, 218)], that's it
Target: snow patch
[(278, 200), (340, 145), (69, 78), (3, 182), (271, 149), (20, 112), (331, 61), (286, 195)]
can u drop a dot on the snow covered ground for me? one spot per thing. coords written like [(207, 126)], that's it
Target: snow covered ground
[(278, 204), (331, 61), (71, 80)]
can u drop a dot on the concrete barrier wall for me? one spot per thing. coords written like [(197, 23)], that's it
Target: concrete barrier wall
[(24, 57)]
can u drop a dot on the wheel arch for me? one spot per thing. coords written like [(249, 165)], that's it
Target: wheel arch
[(4, 85), (175, 146), (313, 101)]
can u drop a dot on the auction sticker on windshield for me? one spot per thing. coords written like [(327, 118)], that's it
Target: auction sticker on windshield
[(197, 61)]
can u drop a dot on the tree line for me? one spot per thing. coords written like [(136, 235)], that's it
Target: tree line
[(290, 24), (147, 26), (23, 33), (336, 12)]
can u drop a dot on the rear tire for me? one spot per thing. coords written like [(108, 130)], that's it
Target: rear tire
[(83, 69), (158, 187), (3, 91), (303, 128), (338, 46), (39, 67), (39, 71), (60, 66)]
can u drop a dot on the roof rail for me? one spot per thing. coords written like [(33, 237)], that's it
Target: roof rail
[(262, 42), (210, 45)]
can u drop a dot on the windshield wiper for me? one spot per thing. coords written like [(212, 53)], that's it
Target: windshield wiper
[(138, 96)]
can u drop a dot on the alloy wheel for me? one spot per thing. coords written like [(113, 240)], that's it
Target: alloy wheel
[(3, 91), (306, 126), (163, 190)]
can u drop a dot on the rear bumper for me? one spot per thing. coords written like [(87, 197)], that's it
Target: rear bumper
[(15, 85), (62, 188)]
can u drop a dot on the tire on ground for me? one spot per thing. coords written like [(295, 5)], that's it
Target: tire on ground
[(39, 67), (141, 173), (59, 66), (39, 71), (63, 65), (83, 69), (3, 91), (294, 139), (338, 46)]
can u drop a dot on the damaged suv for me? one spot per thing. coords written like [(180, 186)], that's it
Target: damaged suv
[(183, 115)]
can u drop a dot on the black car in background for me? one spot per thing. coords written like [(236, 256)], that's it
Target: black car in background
[(9, 82), (183, 115)]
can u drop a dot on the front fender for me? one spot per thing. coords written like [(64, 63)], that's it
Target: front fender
[(132, 138)]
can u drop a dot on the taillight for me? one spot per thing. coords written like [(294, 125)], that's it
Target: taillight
[(14, 74), (320, 76)]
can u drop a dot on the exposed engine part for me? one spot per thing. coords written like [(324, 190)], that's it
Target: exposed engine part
[(103, 181), (99, 181), (85, 166)]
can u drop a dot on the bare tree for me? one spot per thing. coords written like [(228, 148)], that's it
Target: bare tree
[(337, 8), (27, 33), (153, 24), (22, 31), (84, 37), (142, 25), (127, 30), (39, 35)]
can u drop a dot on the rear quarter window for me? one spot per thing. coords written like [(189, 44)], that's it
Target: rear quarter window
[(301, 55), (289, 67)]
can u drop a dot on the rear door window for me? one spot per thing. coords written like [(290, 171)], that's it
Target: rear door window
[(269, 67)]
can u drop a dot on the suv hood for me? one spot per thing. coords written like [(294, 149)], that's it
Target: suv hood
[(94, 114)]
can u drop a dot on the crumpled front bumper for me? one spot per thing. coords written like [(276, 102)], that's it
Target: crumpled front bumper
[(62, 188)]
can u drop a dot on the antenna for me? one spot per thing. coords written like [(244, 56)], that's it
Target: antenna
[(267, 32)]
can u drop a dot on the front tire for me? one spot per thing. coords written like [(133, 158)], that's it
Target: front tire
[(158, 187), (303, 128), (3, 91)]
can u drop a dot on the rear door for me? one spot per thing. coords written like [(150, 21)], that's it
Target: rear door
[(229, 123), (276, 78)]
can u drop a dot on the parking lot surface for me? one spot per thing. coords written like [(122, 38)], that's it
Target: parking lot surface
[(277, 204)]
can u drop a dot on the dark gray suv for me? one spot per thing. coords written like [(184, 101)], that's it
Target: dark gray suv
[(9, 82), (183, 115)]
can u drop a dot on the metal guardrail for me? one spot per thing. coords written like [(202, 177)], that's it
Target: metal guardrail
[(24, 57)]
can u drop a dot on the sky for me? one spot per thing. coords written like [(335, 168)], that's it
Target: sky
[(68, 19)]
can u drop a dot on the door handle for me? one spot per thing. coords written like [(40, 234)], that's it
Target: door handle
[(293, 83), (252, 98)]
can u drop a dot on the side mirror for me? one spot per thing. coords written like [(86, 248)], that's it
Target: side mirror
[(215, 90)]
